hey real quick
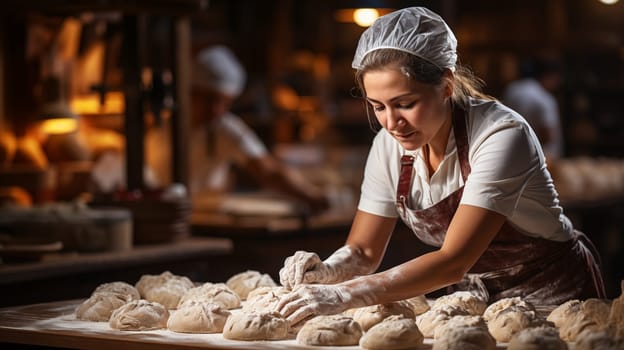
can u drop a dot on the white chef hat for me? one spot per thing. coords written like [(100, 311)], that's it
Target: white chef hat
[(217, 68), (416, 30)]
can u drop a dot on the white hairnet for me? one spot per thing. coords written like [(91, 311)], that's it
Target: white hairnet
[(217, 68), (416, 30)]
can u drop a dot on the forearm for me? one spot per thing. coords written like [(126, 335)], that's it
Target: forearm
[(406, 280), (349, 262)]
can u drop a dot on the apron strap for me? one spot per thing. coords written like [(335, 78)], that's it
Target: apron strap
[(405, 181), (461, 139)]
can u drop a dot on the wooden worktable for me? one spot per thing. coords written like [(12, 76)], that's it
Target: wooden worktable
[(54, 325)]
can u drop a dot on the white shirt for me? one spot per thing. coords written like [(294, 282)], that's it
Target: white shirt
[(216, 147), (539, 107), (508, 174)]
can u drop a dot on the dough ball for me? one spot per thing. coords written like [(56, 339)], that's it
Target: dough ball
[(244, 282), (419, 304), (255, 326), (100, 306), (165, 289), (264, 299), (504, 303), (465, 338), (371, 315), (216, 293), (332, 330), (105, 299), (467, 301), (600, 340), (393, 333), (616, 315), (119, 287), (563, 312), (513, 319), (147, 282), (434, 318), (196, 316), (460, 321), (591, 314), (537, 338), (139, 315)]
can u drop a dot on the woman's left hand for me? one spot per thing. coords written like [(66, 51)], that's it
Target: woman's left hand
[(309, 300)]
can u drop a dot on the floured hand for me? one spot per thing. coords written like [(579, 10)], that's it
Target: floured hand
[(305, 267), (309, 300), (296, 266)]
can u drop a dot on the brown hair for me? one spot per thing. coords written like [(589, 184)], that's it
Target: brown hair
[(466, 83)]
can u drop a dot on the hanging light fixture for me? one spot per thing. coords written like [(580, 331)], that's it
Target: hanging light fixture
[(362, 13), (55, 116)]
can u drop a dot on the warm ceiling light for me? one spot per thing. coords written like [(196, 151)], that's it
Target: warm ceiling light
[(91, 103), (58, 118), (59, 126), (365, 17), (609, 2), (361, 12)]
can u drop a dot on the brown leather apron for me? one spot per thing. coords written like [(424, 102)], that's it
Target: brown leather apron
[(542, 271)]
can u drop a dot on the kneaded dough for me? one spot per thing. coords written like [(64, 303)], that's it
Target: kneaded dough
[(244, 282), (564, 311), (513, 319), (100, 306), (330, 330), (217, 293), (537, 338), (119, 287), (419, 304), (465, 338), (601, 340), (504, 303), (393, 333), (255, 326), (264, 299), (369, 316), (574, 318), (139, 315), (460, 321), (194, 316), (104, 300), (165, 289), (616, 314), (434, 318), (472, 304)]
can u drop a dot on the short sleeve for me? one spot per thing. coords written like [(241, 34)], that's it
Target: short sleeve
[(503, 161), (377, 191)]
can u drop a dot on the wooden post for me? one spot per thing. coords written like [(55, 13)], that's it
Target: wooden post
[(134, 113), (181, 118)]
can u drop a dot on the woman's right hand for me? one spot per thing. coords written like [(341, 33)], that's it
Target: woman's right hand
[(303, 267)]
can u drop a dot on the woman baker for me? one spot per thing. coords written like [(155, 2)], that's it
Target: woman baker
[(464, 172)]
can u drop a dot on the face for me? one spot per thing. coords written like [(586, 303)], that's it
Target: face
[(209, 105), (414, 113)]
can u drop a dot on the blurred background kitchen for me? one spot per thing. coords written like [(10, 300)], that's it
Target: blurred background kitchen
[(93, 94)]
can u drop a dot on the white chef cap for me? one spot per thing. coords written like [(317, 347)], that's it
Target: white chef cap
[(415, 30), (217, 68)]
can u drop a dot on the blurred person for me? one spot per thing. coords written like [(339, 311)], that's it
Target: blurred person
[(532, 96), (220, 140)]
